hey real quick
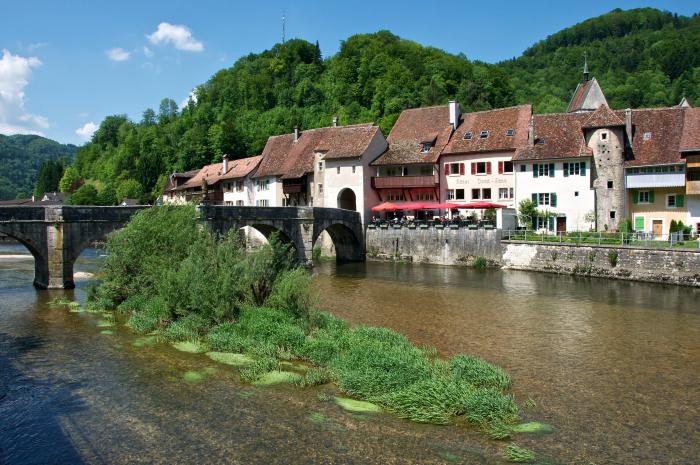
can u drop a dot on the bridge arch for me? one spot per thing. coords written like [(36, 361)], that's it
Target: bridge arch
[(347, 200), (348, 247)]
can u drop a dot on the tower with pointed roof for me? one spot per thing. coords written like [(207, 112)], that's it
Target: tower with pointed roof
[(588, 95)]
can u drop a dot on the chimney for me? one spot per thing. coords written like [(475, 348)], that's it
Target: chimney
[(531, 131), (455, 113), (628, 125), (225, 167), (296, 133), (335, 121)]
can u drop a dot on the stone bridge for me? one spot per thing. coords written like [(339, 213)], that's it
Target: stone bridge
[(56, 235)]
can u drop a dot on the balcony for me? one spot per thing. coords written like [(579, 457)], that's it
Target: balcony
[(692, 188), (644, 180), (296, 188), (389, 182)]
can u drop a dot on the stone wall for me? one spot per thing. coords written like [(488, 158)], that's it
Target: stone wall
[(442, 247), (619, 262)]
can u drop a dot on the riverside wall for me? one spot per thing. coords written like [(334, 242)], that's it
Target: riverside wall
[(462, 247)]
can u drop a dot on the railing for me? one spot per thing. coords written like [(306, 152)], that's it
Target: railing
[(436, 224), (383, 182), (634, 239)]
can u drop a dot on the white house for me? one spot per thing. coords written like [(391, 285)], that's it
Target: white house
[(237, 184)]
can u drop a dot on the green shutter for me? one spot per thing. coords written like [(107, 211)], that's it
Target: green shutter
[(550, 220), (651, 196), (551, 170), (679, 200), (534, 170), (534, 198), (553, 199), (566, 169), (635, 197), (639, 223), (583, 168)]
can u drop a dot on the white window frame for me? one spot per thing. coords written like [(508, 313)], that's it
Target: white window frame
[(543, 198), (646, 201), (668, 198), (454, 169), (450, 194)]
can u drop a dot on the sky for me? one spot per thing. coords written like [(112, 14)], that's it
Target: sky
[(64, 66)]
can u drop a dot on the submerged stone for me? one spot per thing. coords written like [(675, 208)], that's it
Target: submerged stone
[(360, 406), (104, 324), (277, 377), (192, 377), (107, 332), (193, 347), (533, 427), (237, 360)]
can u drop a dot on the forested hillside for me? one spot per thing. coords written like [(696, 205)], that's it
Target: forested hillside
[(21, 156), (641, 58)]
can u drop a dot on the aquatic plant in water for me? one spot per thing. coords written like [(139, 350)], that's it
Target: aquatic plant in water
[(192, 377), (517, 454), (277, 377), (358, 406), (533, 427), (193, 347), (230, 358)]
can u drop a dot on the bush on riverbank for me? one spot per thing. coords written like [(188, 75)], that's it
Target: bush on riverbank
[(170, 277)]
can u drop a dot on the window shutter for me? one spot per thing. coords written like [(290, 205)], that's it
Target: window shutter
[(639, 223), (566, 169), (534, 198), (461, 169), (635, 197), (447, 169), (551, 170), (651, 196), (553, 199), (583, 168), (500, 167), (473, 167), (679, 200), (534, 170), (550, 220)]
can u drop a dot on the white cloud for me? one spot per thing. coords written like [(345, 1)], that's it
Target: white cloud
[(192, 95), (85, 132), (179, 35), (147, 52), (118, 54), (15, 72)]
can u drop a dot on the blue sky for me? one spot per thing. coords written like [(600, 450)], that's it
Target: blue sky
[(64, 66)]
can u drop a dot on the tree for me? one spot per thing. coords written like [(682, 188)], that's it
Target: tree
[(107, 196), (50, 174), (129, 189), (527, 213), (84, 195), (149, 117), (168, 109), (70, 181)]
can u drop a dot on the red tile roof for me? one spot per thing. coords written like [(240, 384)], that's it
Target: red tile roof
[(240, 168), (214, 173), (603, 117), (581, 94), (414, 126), (662, 144), (690, 141), (288, 159), (496, 122), (557, 135)]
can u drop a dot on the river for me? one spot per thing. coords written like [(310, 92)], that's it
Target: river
[(614, 366)]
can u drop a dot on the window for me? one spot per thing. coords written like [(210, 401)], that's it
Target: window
[(604, 135), (643, 197), (320, 166), (239, 186), (511, 191), (674, 201), (486, 194), (510, 132), (576, 194), (263, 184), (508, 167), (459, 194), (320, 189), (612, 214), (539, 141), (454, 168), (503, 193), (610, 184), (523, 168), (426, 170), (425, 196), (481, 167), (353, 170), (467, 136), (425, 147), (483, 134), (262, 203), (542, 169), (450, 194), (239, 203), (337, 170), (393, 196), (476, 194), (647, 136), (543, 198)]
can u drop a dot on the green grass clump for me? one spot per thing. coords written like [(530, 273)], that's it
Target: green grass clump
[(192, 347), (104, 324), (479, 373), (358, 406), (277, 377), (485, 405), (517, 454), (186, 328), (60, 302), (144, 341), (497, 430), (435, 400), (271, 326), (227, 358), (146, 315), (480, 263), (252, 372), (316, 376), (225, 338)]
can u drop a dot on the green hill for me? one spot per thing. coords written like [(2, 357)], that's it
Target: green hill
[(642, 57), (21, 157)]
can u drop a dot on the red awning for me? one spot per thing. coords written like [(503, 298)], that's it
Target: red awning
[(385, 207), (479, 205)]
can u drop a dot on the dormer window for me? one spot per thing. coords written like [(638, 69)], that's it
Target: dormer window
[(483, 134), (510, 132), (647, 136), (467, 135), (539, 141), (425, 147)]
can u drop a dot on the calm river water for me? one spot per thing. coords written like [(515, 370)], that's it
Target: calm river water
[(613, 366)]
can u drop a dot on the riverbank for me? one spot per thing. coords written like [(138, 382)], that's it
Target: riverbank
[(462, 247)]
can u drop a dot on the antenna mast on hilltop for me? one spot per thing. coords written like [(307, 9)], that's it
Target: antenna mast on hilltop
[(284, 26)]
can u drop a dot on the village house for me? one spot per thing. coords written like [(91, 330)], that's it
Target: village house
[(476, 164), (409, 170)]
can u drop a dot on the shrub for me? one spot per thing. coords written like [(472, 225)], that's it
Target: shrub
[(148, 315), (256, 369), (480, 263), (324, 345), (225, 338), (317, 376), (291, 293), (612, 258), (186, 328), (271, 326), (478, 372)]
